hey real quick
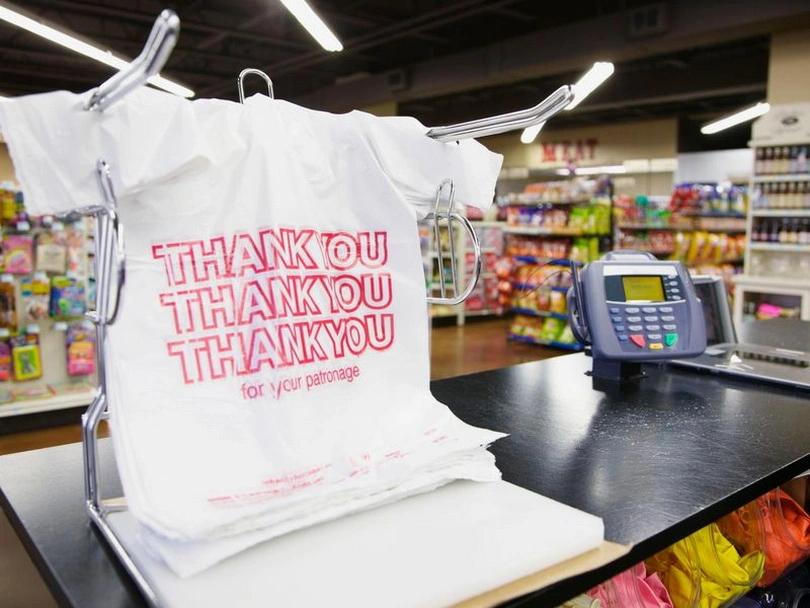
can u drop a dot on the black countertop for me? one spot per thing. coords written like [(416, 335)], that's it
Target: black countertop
[(657, 459)]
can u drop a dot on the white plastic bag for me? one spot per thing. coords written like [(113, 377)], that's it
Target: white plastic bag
[(269, 368)]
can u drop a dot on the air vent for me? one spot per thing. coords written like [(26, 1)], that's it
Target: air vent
[(647, 21), (398, 81)]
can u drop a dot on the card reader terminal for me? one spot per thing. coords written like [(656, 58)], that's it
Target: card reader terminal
[(629, 306)]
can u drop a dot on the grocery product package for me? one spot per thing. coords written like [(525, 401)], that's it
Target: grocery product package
[(269, 368)]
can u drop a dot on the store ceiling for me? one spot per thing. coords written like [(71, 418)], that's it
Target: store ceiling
[(443, 61)]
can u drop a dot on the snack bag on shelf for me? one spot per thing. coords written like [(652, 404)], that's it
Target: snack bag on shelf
[(25, 354), (8, 302), (552, 328), (6, 367), (51, 255), (18, 253), (557, 302), (67, 297), (81, 349), (7, 202), (36, 294), (567, 336)]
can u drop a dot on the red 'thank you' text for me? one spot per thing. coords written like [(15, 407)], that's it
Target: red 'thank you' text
[(274, 299)]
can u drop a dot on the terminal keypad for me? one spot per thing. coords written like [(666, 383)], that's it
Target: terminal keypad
[(650, 327)]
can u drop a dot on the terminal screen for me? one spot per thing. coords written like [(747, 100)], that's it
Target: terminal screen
[(638, 288)]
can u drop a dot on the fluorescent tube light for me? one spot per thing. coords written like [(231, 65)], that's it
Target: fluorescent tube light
[(735, 119), (84, 48), (598, 74), (607, 169), (530, 133), (313, 24)]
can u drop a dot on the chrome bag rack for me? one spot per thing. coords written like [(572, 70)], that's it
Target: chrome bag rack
[(110, 252)]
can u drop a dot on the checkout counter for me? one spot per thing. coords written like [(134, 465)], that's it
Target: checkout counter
[(656, 459)]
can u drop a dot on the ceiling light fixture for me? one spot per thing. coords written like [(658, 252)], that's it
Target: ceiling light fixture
[(313, 24), (736, 118), (530, 133), (606, 169), (84, 48), (600, 170), (598, 74)]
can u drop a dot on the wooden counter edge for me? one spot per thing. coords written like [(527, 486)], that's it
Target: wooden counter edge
[(605, 553)]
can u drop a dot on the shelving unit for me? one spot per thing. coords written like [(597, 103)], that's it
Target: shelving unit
[(702, 225), (548, 225), (776, 274), (779, 247), (57, 402), (780, 213), (780, 177), (52, 388)]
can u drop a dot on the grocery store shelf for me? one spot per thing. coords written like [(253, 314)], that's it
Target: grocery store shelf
[(537, 203), (546, 231), (483, 250), (529, 287), (532, 259), (487, 223), (773, 282), (539, 313), (482, 313), (652, 251), (780, 212), (553, 343), (782, 177), (57, 402), (725, 215), (790, 248), (627, 226)]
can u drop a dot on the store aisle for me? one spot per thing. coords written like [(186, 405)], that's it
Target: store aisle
[(480, 345)]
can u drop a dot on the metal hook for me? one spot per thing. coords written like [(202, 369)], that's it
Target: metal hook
[(451, 216), (240, 82), (111, 234)]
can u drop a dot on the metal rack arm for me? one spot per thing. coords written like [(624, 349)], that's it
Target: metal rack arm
[(153, 57), (546, 109)]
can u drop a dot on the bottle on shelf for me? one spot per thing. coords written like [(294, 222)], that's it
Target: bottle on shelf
[(759, 164), (765, 201), (804, 233), (776, 166), (784, 165), (793, 231), (755, 226), (783, 232), (790, 195), (767, 161)]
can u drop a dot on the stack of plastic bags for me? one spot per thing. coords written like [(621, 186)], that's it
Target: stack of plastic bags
[(269, 368)]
